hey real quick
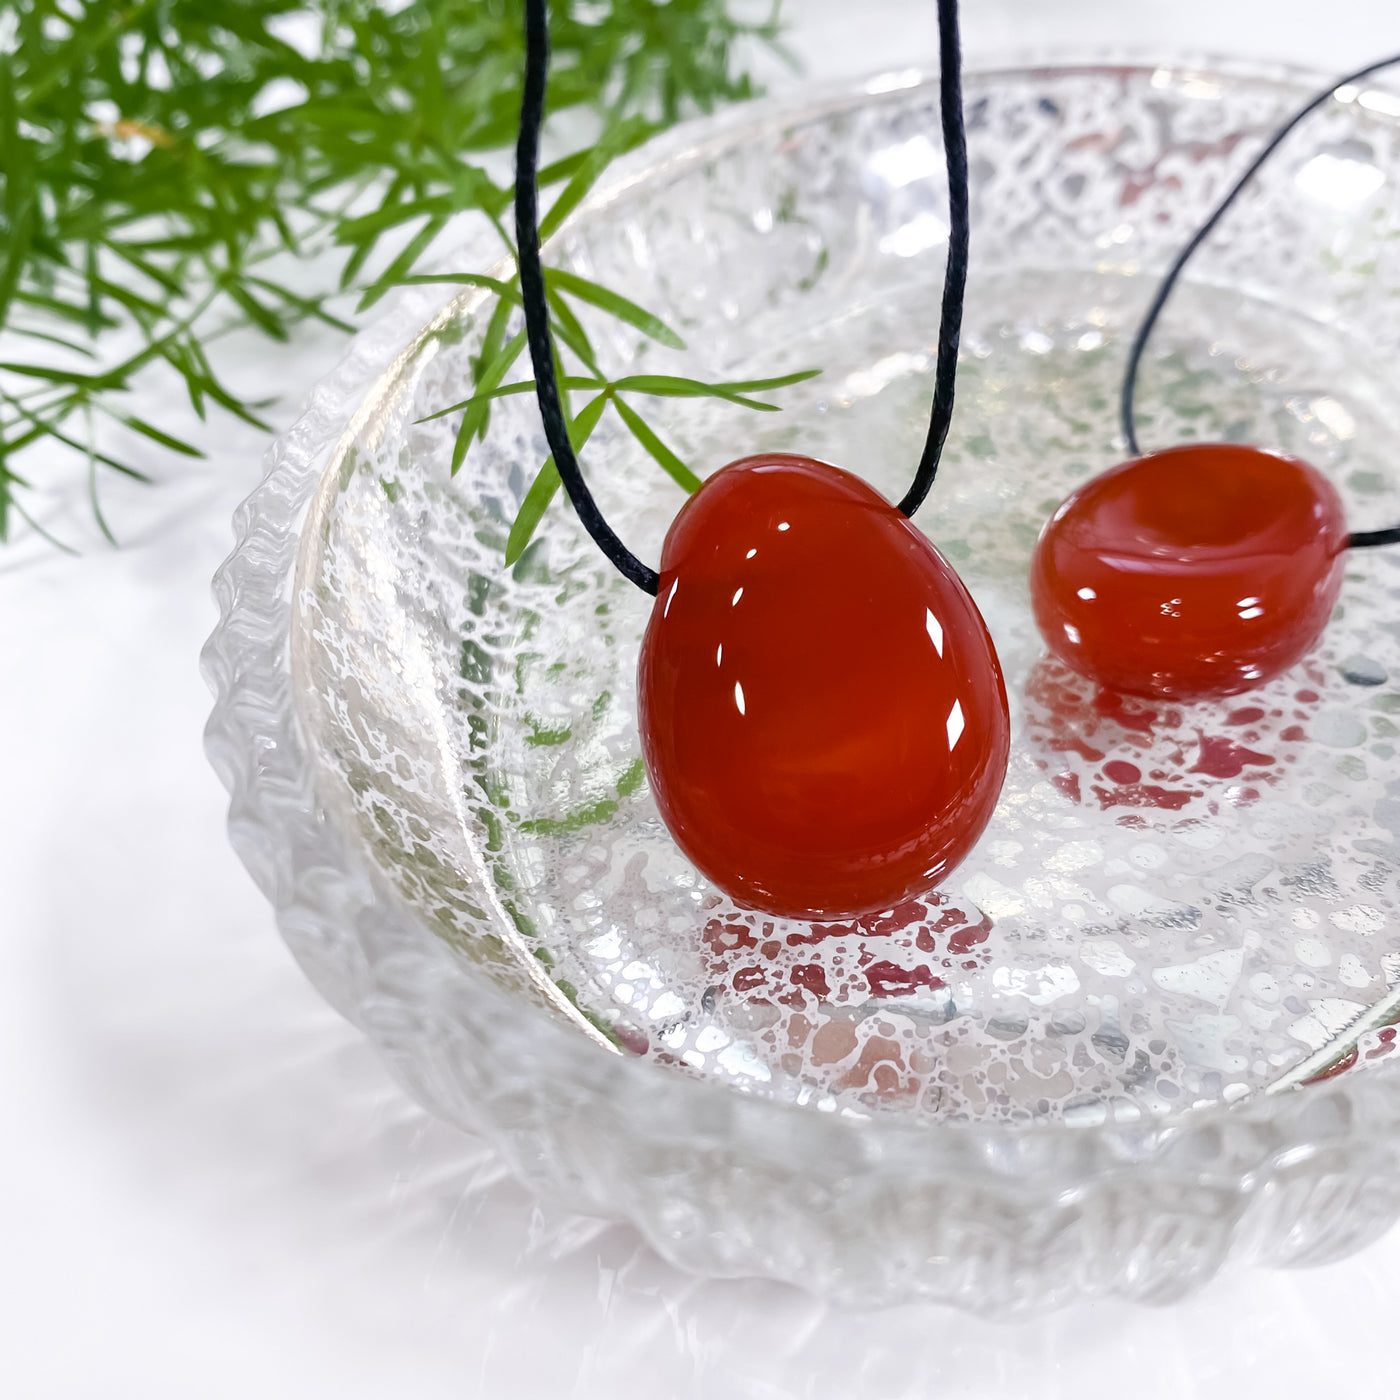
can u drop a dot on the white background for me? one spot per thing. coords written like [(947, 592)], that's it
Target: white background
[(208, 1187)]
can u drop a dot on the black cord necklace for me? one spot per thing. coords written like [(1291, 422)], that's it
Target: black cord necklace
[(820, 706), (532, 291), (1197, 571), (1126, 414), (532, 285)]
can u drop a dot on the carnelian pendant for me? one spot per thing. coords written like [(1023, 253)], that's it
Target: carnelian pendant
[(1195, 572), (822, 712)]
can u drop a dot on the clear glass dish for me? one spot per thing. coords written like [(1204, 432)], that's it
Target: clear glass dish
[(1148, 1025)]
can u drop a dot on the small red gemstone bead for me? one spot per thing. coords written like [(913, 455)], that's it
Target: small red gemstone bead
[(1195, 572), (822, 712)]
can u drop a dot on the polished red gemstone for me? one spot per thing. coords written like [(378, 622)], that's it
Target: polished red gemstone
[(1195, 572), (822, 711)]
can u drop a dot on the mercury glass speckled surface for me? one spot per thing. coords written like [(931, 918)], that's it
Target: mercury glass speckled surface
[(1055, 1078)]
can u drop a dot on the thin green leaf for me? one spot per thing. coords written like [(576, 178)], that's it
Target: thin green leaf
[(144, 266), (417, 246), (20, 233), (491, 343), (124, 296), (547, 482), (178, 357), (94, 496), (53, 375), (532, 508), (354, 264), (494, 338), (561, 169), (39, 530), (51, 430), (569, 331), (53, 340), (234, 405), (391, 216), (475, 416), (5, 473), (618, 139), (307, 306), (39, 428), (461, 279), (66, 311), (668, 460), (615, 305), (670, 386), (761, 386), (124, 468), (267, 320), (523, 386), (94, 295), (139, 425)]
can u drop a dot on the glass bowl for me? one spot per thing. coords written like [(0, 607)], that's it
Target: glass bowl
[(1148, 1024)]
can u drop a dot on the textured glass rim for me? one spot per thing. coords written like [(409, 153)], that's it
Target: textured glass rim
[(323, 891)]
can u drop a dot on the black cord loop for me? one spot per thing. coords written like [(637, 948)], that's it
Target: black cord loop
[(532, 293), (1355, 541), (536, 306)]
